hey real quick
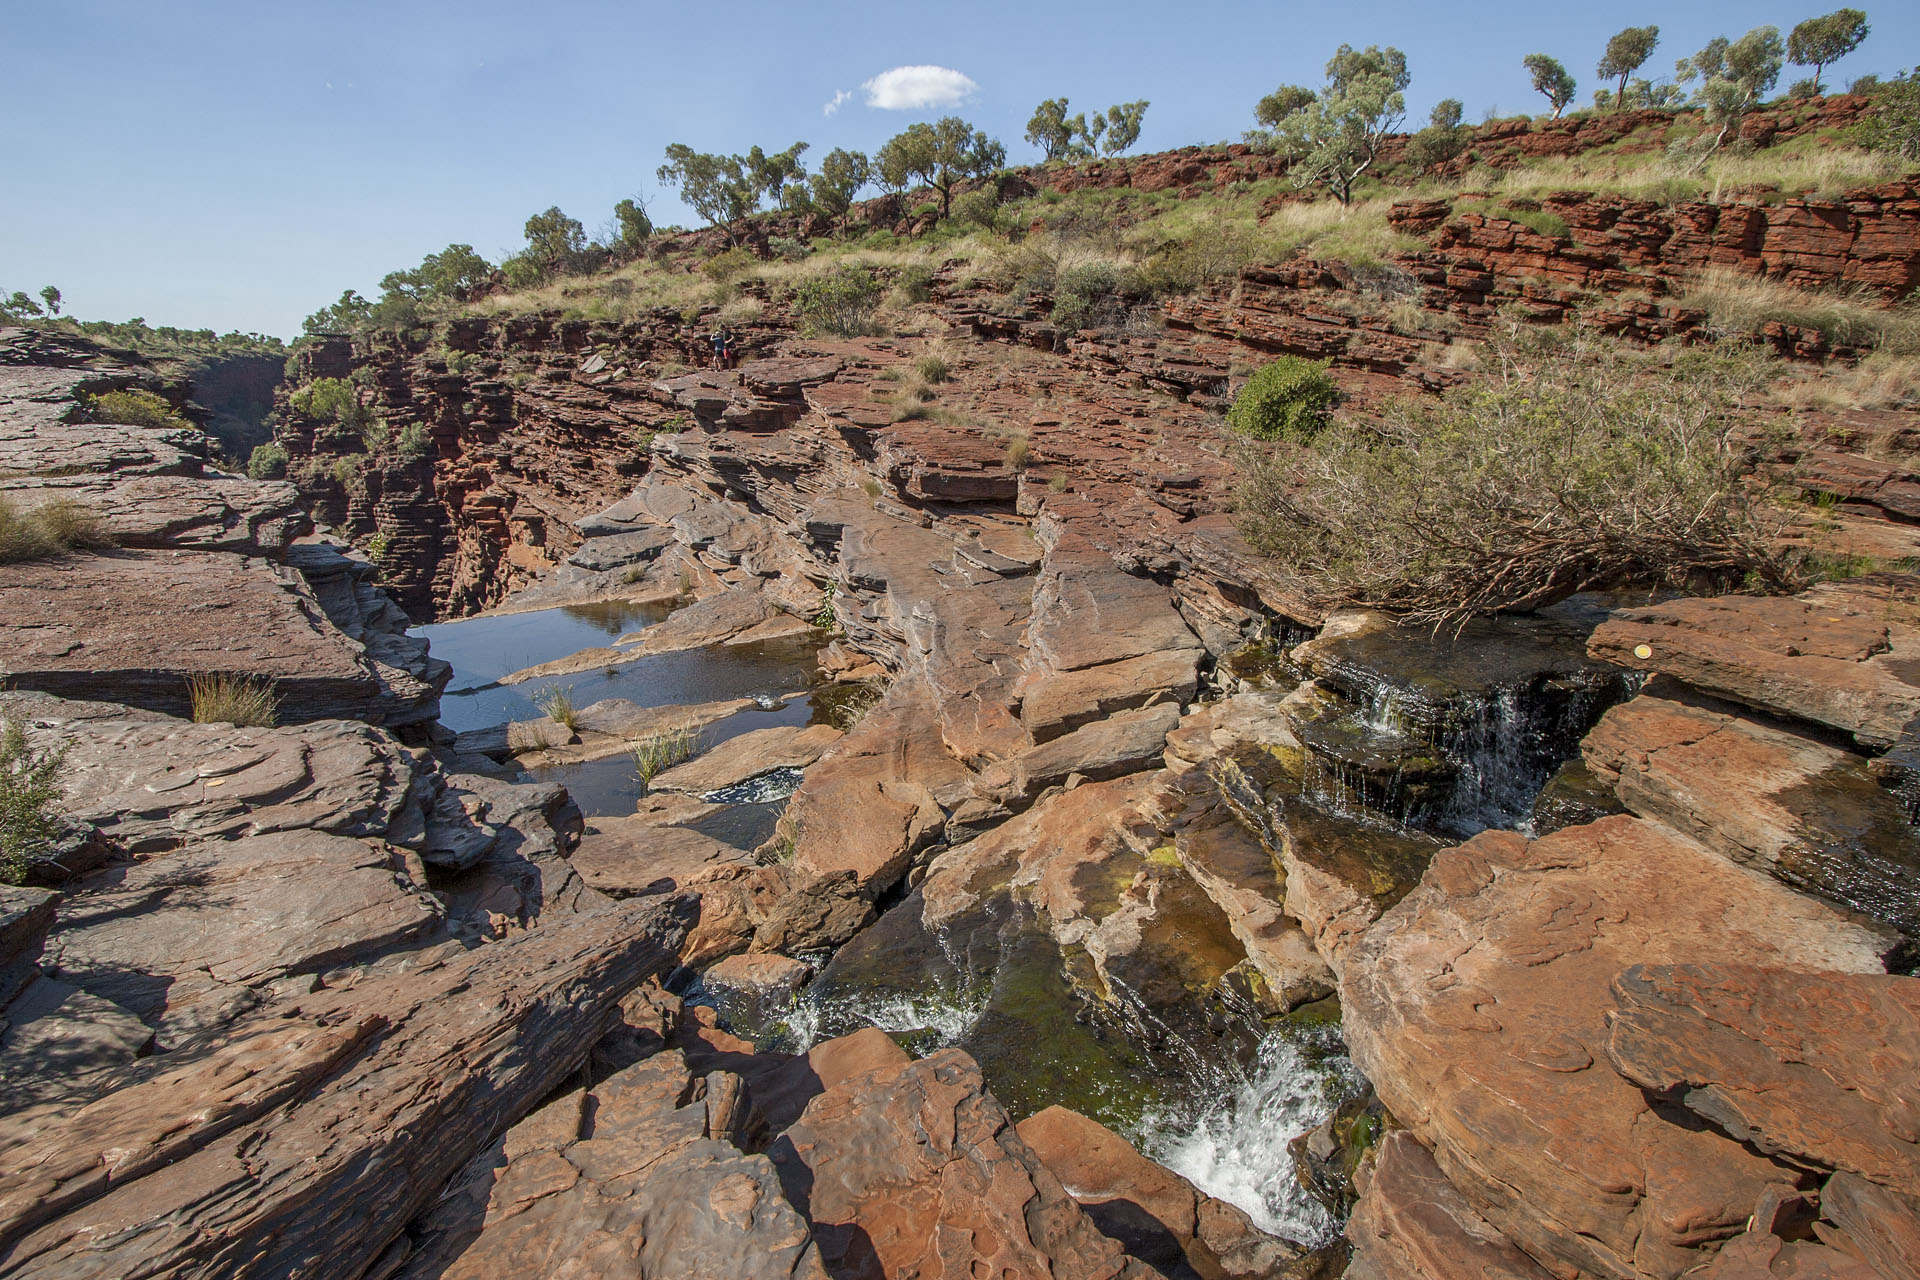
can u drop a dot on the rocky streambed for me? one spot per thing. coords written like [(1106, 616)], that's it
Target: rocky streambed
[(934, 864)]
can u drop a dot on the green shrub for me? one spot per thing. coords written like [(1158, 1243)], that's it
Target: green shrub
[(1093, 295), (915, 283), (267, 462), (788, 249), (235, 700), (722, 267), (1287, 399), (1573, 465), (414, 441), (1210, 253), (29, 792), (841, 302), (133, 408)]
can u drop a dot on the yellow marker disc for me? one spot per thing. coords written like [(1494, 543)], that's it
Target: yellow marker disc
[(1643, 651)]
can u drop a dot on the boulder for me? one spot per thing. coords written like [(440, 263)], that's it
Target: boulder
[(1125, 742), (752, 988), (815, 915), (1823, 1068), (1478, 1008), (637, 1175), (290, 1166), (1842, 654), (1053, 703), (917, 1169), (1411, 1224), (1806, 813), (1087, 612)]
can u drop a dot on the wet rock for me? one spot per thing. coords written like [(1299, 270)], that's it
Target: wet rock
[(1820, 1067), (1842, 654), (1411, 1224), (751, 989), (1166, 944), (919, 1168), (748, 756), (1477, 1007), (1156, 1215), (815, 915), (635, 1176), (1806, 813), (1573, 797), (294, 1133)]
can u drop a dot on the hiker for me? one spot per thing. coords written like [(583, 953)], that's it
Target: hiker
[(719, 360), (729, 348)]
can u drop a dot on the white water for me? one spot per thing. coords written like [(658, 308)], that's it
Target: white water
[(944, 1019), (1232, 1142)]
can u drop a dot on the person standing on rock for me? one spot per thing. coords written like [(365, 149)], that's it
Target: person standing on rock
[(719, 360)]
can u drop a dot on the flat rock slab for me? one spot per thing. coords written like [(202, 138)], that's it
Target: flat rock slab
[(629, 857), (1842, 654), (601, 555), (295, 1113), (748, 756), (917, 1170), (1053, 703), (1478, 1008), (203, 922), (194, 513), (1807, 813), (133, 626), (1122, 743), (1086, 611), (36, 442), (1822, 1067), (158, 784)]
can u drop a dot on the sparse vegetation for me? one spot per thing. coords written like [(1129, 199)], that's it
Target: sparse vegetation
[(556, 704), (657, 752), (840, 303), (1288, 399), (1018, 451), (55, 526), (134, 408), (1573, 464), (30, 791), (1850, 317), (234, 700), (267, 462)]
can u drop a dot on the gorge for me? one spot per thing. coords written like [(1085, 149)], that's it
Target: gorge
[(871, 811)]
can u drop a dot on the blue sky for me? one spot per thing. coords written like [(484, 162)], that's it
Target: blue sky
[(236, 165)]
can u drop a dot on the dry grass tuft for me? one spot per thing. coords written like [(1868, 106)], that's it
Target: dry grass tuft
[(657, 752), (556, 704), (1850, 317), (53, 527), (234, 700)]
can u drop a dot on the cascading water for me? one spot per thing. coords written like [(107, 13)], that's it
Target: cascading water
[(1231, 1140)]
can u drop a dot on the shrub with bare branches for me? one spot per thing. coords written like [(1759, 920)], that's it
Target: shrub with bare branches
[(1571, 464)]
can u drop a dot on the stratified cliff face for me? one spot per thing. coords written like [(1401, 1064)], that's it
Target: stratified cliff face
[(537, 421)]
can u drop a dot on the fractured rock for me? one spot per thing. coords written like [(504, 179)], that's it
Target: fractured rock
[(1477, 1007)]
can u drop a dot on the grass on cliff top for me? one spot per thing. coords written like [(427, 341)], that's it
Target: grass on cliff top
[(1820, 165), (1851, 317), (55, 526)]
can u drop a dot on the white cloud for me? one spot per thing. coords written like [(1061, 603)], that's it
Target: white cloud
[(839, 97), (912, 88)]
